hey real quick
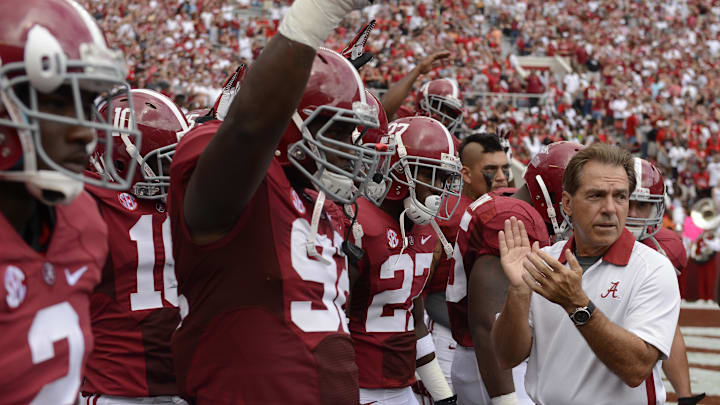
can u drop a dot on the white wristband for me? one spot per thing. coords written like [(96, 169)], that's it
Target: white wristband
[(310, 22), (424, 346), (507, 399), (434, 381)]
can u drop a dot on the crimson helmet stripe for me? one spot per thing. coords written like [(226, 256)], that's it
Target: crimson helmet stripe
[(169, 103)]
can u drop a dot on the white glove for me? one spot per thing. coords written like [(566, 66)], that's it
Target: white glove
[(310, 22)]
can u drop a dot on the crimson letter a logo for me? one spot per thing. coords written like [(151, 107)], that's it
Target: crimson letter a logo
[(612, 290)]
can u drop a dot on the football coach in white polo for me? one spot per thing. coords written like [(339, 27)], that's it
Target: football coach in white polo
[(594, 314)]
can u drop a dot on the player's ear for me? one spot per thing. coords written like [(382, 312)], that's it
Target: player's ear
[(567, 203), (466, 175)]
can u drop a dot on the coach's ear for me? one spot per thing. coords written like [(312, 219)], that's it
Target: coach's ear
[(567, 203)]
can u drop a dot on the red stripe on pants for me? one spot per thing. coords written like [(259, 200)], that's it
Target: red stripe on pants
[(650, 389)]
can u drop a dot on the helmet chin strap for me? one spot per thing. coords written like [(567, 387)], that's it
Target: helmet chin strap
[(43, 184), (447, 247), (558, 229), (314, 224), (133, 152), (661, 250)]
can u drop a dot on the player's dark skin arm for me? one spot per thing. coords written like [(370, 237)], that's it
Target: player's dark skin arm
[(418, 312), (242, 149), (486, 295), (394, 97)]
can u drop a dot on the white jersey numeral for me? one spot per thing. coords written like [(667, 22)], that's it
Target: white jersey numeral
[(122, 119), (456, 288), (334, 288), (50, 325), (146, 296), (398, 321), (397, 128)]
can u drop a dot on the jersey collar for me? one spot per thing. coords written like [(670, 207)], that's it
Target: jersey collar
[(618, 254)]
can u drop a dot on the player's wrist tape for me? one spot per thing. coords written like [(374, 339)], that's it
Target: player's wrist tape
[(507, 399), (434, 380), (311, 22), (424, 346)]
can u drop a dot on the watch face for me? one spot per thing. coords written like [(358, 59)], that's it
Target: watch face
[(581, 317)]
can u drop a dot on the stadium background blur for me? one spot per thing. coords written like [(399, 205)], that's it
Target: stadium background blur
[(644, 75)]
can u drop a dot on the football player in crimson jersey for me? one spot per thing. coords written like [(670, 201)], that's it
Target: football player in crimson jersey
[(647, 207), (262, 277), (394, 98), (134, 309), (386, 311), (53, 243), (477, 285), (484, 168), (440, 99)]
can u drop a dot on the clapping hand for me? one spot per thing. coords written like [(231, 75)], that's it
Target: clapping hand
[(554, 281), (514, 248)]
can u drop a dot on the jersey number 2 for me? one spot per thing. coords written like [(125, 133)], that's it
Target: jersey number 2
[(146, 296), (50, 325), (398, 321)]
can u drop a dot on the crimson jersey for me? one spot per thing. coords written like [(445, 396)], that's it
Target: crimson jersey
[(449, 228), (478, 236), (45, 306), (381, 324), (134, 309), (672, 247), (263, 322)]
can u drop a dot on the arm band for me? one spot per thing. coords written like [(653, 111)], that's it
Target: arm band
[(424, 346), (311, 22), (507, 399)]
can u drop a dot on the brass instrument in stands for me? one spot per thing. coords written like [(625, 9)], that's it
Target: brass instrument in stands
[(705, 215)]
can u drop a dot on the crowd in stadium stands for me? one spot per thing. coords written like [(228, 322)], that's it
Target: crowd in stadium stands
[(644, 73)]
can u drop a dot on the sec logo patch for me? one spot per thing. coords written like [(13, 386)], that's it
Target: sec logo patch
[(297, 202), (393, 239), (127, 201), (14, 286)]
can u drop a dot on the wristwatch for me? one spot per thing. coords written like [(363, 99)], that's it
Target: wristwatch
[(581, 315)]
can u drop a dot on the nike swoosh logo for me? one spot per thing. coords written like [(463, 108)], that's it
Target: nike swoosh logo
[(74, 277), (424, 239)]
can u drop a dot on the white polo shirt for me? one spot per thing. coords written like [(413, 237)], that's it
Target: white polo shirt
[(636, 288)]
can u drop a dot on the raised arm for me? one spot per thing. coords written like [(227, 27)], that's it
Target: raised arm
[(243, 147), (511, 334), (394, 97)]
